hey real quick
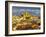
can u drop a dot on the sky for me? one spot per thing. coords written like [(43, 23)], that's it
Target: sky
[(19, 10)]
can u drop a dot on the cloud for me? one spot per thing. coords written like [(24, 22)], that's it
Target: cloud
[(19, 10)]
